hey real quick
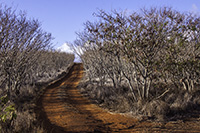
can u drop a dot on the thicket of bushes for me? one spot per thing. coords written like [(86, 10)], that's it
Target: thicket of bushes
[(27, 60), (147, 62)]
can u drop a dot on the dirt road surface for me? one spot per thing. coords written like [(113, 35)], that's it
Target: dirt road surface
[(63, 109)]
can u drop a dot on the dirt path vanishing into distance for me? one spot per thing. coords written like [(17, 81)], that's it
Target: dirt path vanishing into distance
[(62, 109)]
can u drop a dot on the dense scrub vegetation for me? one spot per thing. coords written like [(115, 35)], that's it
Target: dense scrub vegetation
[(146, 62), (27, 60)]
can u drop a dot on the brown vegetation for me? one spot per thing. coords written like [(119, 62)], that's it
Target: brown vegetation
[(27, 63), (146, 63)]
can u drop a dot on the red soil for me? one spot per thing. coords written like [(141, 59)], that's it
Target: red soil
[(63, 109)]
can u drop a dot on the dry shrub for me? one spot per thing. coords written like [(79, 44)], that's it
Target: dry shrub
[(170, 98), (24, 121), (118, 104), (120, 100), (113, 99), (182, 101), (196, 97), (155, 109), (173, 105)]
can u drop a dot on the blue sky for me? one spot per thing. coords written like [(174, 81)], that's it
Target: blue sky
[(63, 18)]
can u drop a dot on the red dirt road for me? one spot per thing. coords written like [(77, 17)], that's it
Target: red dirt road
[(63, 109)]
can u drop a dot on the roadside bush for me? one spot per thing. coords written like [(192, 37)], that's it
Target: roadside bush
[(27, 62), (21, 41), (155, 109), (154, 53), (108, 97), (49, 65)]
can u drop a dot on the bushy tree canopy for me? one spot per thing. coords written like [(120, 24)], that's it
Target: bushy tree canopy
[(25, 51), (150, 46)]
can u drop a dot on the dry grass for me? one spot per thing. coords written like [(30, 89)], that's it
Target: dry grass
[(155, 109), (26, 120), (175, 104), (116, 100)]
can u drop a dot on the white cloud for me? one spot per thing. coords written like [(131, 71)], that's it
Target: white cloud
[(65, 48)]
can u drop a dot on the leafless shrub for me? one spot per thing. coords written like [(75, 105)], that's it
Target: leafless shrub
[(25, 53), (108, 97), (153, 53), (21, 41), (26, 58), (49, 65), (156, 108), (23, 121), (182, 101)]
